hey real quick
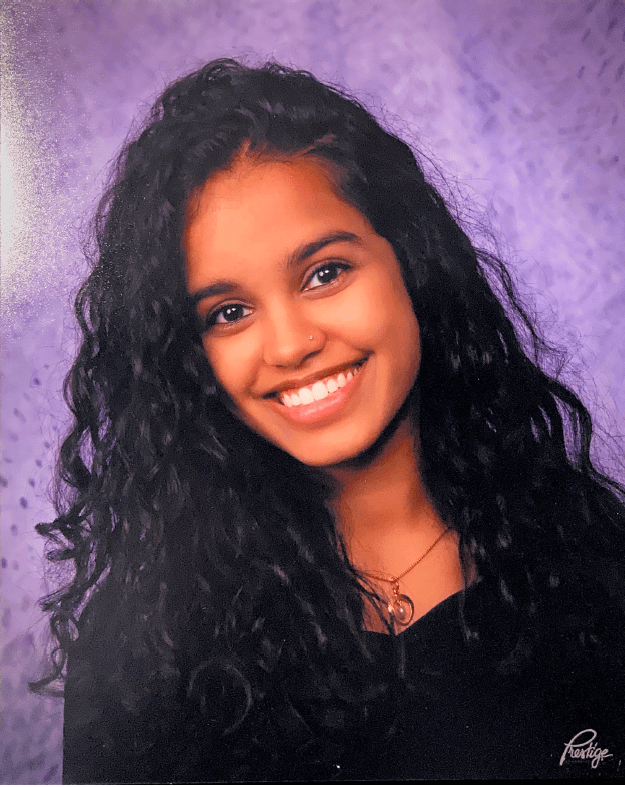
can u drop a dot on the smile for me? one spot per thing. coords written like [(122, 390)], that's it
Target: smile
[(321, 399), (320, 389)]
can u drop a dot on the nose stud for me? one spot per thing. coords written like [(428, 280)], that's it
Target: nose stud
[(310, 337)]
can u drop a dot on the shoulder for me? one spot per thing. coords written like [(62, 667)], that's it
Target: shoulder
[(115, 700), (95, 720)]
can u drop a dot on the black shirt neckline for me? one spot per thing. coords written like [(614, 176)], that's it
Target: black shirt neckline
[(446, 610)]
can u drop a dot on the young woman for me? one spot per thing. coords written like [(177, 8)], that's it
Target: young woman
[(328, 518)]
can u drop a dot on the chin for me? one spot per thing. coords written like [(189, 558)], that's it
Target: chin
[(347, 454), (361, 452), (329, 459)]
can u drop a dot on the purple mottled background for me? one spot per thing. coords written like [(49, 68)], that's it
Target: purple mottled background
[(520, 101)]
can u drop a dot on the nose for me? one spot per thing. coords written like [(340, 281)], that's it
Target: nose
[(290, 336)]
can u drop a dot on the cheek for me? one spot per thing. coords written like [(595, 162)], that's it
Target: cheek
[(230, 366), (401, 338), (391, 320)]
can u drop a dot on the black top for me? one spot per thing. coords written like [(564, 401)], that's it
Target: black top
[(458, 715), (465, 718)]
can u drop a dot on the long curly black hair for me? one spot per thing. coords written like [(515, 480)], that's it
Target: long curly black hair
[(235, 594)]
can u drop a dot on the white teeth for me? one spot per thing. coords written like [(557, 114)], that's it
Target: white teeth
[(319, 391), (306, 396)]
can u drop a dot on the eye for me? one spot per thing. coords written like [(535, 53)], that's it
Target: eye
[(326, 274), (227, 314)]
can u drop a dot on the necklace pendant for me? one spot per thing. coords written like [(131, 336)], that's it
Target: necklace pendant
[(401, 609)]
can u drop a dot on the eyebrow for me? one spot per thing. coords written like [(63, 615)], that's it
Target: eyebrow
[(309, 249), (301, 254)]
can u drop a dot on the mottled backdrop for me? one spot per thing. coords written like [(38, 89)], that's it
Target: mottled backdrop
[(520, 101)]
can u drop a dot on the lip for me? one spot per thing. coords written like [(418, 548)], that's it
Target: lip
[(294, 385), (322, 409)]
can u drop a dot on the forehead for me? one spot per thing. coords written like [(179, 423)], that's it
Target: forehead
[(265, 208)]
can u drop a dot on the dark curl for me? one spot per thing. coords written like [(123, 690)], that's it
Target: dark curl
[(234, 590)]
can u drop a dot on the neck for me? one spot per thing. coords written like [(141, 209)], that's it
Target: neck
[(389, 527), (382, 507)]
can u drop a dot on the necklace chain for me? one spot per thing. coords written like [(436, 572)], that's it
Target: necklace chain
[(393, 580), (401, 607)]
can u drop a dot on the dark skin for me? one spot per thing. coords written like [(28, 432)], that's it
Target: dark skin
[(388, 522), (297, 292)]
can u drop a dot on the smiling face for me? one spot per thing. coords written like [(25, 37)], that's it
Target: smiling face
[(307, 324)]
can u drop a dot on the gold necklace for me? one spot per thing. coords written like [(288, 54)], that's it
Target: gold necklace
[(400, 607)]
